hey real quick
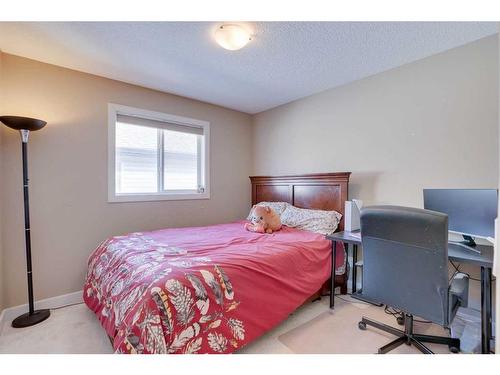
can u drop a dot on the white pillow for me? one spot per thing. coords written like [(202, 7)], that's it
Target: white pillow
[(319, 221), (279, 207)]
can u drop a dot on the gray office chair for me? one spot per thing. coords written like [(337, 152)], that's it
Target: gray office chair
[(405, 252)]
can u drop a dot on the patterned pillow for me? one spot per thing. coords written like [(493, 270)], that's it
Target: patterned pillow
[(319, 221), (279, 207)]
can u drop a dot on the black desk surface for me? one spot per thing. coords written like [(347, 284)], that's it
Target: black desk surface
[(345, 236), (456, 253)]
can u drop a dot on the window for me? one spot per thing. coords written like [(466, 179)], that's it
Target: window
[(156, 156)]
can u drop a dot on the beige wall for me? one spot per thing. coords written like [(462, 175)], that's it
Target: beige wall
[(68, 173), (431, 123)]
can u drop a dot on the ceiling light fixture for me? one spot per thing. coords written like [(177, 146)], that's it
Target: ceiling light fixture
[(232, 37)]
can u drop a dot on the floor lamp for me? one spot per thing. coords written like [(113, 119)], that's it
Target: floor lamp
[(25, 125)]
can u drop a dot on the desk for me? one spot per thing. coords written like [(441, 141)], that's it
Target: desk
[(456, 253), (354, 239), (484, 260)]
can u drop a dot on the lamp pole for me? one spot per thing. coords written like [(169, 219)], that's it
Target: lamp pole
[(25, 125), (27, 236)]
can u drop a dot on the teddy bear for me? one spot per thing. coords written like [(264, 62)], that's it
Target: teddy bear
[(263, 220)]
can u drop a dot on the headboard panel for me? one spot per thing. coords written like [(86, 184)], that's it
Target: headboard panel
[(322, 191)]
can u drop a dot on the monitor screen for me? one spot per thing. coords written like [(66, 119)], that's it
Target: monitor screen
[(470, 211)]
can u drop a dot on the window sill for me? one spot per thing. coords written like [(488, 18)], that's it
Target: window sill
[(157, 197)]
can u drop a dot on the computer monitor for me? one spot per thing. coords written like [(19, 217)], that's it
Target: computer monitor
[(471, 212)]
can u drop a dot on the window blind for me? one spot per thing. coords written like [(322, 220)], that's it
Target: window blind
[(158, 124)]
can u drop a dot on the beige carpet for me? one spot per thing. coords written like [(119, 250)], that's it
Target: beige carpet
[(336, 332), (72, 329), (311, 329)]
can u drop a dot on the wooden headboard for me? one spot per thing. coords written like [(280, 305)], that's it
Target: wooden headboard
[(322, 191)]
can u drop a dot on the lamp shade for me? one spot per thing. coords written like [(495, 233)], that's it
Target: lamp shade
[(22, 123)]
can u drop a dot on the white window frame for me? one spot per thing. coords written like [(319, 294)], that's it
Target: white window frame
[(113, 111)]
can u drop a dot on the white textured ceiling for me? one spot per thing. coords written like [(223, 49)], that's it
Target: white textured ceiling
[(284, 61)]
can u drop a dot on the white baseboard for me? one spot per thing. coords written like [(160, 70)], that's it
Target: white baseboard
[(48, 303)]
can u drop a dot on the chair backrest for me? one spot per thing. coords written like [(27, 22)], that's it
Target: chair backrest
[(405, 260)]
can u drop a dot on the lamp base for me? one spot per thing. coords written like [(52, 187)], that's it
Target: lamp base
[(27, 320)]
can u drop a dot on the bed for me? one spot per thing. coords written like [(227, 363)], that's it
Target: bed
[(214, 289)]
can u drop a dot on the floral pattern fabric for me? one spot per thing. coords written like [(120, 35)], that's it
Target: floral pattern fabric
[(201, 290), (319, 221)]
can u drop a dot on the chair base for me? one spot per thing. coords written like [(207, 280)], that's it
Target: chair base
[(408, 337)]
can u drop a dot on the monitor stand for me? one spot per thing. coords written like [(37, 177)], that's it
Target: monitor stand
[(468, 243)]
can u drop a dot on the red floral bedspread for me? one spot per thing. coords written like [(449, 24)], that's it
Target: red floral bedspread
[(202, 290)]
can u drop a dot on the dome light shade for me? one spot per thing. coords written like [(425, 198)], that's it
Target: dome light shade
[(19, 123), (232, 37)]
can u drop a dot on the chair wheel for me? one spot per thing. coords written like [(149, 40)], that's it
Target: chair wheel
[(400, 320), (362, 326), (454, 349)]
